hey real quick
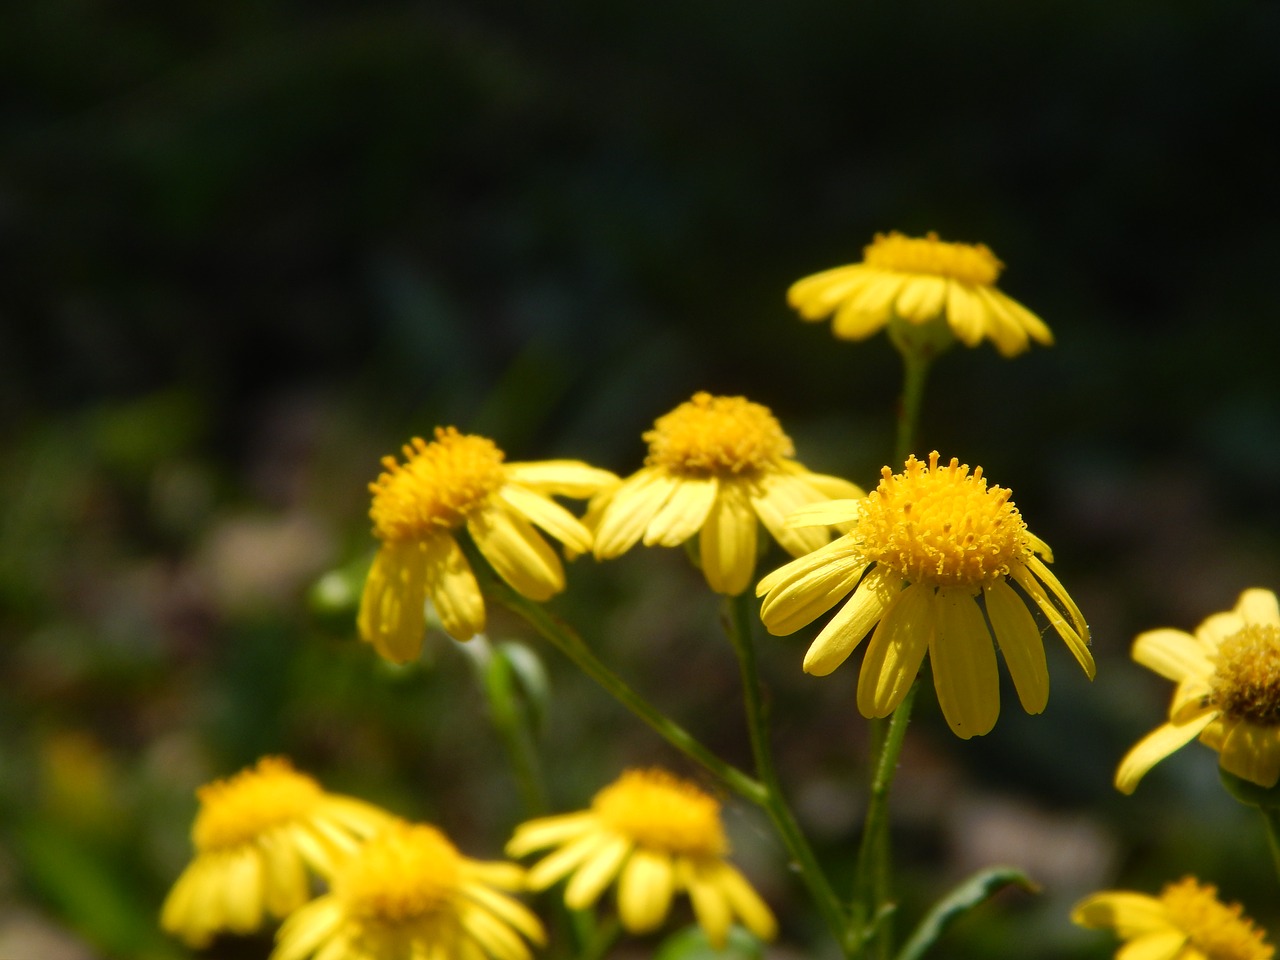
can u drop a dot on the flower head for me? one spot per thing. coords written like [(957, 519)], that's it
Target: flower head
[(1186, 922), (408, 893), (1228, 694), (462, 481), (717, 468), (657, 835), (256, 834), (916, 280), (930, 541)]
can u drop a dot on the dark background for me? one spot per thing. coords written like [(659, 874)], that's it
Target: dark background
[(248, 248)]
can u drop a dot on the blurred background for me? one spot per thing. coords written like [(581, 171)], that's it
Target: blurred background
[(251, 247)]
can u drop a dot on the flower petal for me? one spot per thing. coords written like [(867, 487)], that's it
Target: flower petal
[(644, 890), (1021, 644), (452, 589), (392, 615), (567, 478), (1173, 654), (1078, 645), (897, 646), (775, 499), (1252, 752), (1128, 914), (517, 552), (921, 298), (964, 665), (727, 543), (630, 508), (597, 872), (549, 515), (828, 513), (683, 514), (965, 314), (1158, 945), (804, 589), (1259, 606), (548, 832), (1155, 746), (845, 630)]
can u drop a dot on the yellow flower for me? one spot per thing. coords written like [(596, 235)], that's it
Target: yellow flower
[(459, 481), (1228, 694), (1186, 922), (916, 280), (930, 541), (658, 835), (255, 835), (718, 467), (408, 894)]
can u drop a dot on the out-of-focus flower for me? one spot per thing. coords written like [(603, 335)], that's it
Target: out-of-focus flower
[(1186, 922), (1228, 693), (256, 834), (919, 280), (408, 894), (420, 506), (717, 468), (656, 835), (930, 540)]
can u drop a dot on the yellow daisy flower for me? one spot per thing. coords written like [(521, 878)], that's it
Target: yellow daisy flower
[(1228, 695), (657, 835), (409, 894), (930, 541), (717, 468), (916, 280), (1186, 922), (457, 481), (256, 834)]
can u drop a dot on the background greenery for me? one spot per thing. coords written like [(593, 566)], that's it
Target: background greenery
[(250, 247)]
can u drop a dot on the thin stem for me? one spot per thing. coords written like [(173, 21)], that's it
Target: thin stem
[(1271, 816), (564, 639), (915, 372), (872, 904), (738, 627)]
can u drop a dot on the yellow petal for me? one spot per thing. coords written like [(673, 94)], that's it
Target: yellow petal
[(710, 907), (1128, 914), (796, 570), (517, 552), (815, 296), (1079, 645), (1154, 747), (565, 860), (1252, 753), (509, 911), (868, 310), (829, 513), (745, 902), (776, 498), (596, 873), (568, 478), (896, 649), (548, 515), (307, 928), (845, 630), (1024, 318), (453, 589), (548, 831), (1259, 606), (965, 314), (630, 508), (727, 543), (1020, 642), (921, 298), (1038, 567), (1158, 945), (392, 615), (964, 665), (644, 890), (811, 587), (1173, 654), (683, 514), (1001, 323), (497, 939)]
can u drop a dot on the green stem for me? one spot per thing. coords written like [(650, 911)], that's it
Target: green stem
[(1271, 816), (738, 627), (564, 639), (916, 365), (872, 903)]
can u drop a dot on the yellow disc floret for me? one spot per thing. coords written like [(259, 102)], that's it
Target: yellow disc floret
[(967, 262), (662, 812), (717, 436), (943, 527), (241, 808), (407, 872), (1219, 931), (439, 484), (1246, 679)]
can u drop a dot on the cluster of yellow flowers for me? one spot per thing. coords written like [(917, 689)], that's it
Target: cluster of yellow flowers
[(932, 560)]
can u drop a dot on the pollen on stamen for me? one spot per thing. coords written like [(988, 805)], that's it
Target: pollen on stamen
[(436, 487), (967, 262), (711, 435), (240, 808), (944, 527), (1246, 680), (1217, 930), (663, 812), (407, 872)]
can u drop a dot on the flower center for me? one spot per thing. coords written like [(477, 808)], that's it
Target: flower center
[(941, 526), (966, 262), (239, 809), (717, 435), (1246, 679), (1219, 931), (438, 485), (663, 813), (407, 872)]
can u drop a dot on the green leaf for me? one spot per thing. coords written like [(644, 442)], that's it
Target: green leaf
[(691, 943), (969, 893)]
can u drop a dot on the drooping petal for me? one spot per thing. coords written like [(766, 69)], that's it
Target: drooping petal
[(1155, 746), (1001, 325), (493, 936), (921, 298), (510, 911), (566, 859), (1024, 318), (1041, 570), (965, 314), (727, 543), (566, 478), (1129, 914), (392, 607), (815, 296), (775, 499), (810, 586), (548, 831), (1020, 642), (845, 630), (964, 665), (867, 310), (683, 514), (1164, 944), (1251, 752), (452, 589), (644, 890), (597, 873), (548, 515), (517, 552), (1078, 645), (1173, 654), (305, 929), (897, 647), (710, 907), (629, 510), (746, 903)]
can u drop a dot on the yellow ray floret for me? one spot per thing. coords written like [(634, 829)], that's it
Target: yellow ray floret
[(718, 468), (655, 836), (456, 482), (923, 548), (1228, 693), (918, 280)]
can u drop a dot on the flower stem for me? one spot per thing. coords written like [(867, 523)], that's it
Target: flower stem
[(737, 621), (567, 641), (872, 904), (915, 372), (1271, 816)]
